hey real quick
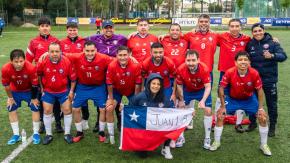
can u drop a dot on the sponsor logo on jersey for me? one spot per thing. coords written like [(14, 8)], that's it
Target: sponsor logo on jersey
[(39, 46), (66, 46), (266, 46), (79, 46)]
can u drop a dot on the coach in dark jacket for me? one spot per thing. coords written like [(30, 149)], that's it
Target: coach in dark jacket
[(265, 55)]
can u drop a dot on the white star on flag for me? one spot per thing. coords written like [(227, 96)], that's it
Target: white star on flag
[(134, 116)]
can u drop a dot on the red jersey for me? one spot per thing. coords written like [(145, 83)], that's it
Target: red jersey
[(229, 46), (91, 73), (98, 22), (166, 69), (38, 46), (19, 81), (175, 50), (55, 76), (241, 87), (205, 45), (68, 46), (193, 82), (141, 46), (124, 79)]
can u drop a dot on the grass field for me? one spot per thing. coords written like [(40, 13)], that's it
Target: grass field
[(235, 147)]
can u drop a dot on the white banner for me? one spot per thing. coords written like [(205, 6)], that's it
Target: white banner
[(185, 21)]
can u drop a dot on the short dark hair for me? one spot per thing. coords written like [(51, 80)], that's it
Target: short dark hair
[(123, 48), (71, 25), (203, 16), (142, 20), (174, 24), (156, 45), (17, 53), (89, 42), (192, 52), (242, 53), (235, 20), (43, 20), (258, 25)]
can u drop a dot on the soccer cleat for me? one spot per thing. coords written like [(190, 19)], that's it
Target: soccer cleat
[(41, 128), (78, 137), (102, 138), (239, 128), (172, 144), (206, 143), (36, 138), (47, 139), (215, 145), (96, 128), (166, 152), (112, 139), (251, 127), (180, 141), (271, 132), (85, 124), (58, 127), (68, 138), (14, 139), (266, 150), (190, 126)]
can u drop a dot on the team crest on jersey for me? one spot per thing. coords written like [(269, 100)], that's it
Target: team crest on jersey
[(198, 80), (115, 42), (39, 46), (144, 104), (210, 39), (252, 48), (266, 46), (60, 70), (66, 46), (161, 105), (79, 45), (242, 43), (249, 84), (181, 44), (96, 68), (47, 70), (25, 76), (82, 67), (128, 73), (151, 43), (165, 72)]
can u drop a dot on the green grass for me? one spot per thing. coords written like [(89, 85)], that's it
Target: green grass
[(235, 147)]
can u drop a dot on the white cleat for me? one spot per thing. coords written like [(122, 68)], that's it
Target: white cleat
[(85, 124), (112, 139), (206, 143), (180, 141), (266, 150), (166, 153), (215, 145)]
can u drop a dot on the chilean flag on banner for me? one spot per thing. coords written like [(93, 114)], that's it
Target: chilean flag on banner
[(146, 128)]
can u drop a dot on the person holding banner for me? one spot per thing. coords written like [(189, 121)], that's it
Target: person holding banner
[(244, 85), (194, 83)]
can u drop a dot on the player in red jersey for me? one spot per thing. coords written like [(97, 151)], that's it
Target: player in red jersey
[(73, 44), (36, 48), (140, 43), (98, 23), (194, 83), (54, 73), (123, 79), (91, 68), (175, 47), (157, 63), (21, 84), (244, 83)]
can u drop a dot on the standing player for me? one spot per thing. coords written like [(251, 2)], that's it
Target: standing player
[(141, 42), (73, 44), (91, 69), (193, 83), (55, 72), (98, 23), (36, 48), (2, 24), (21, 84), (108, 43), (244, 82), (157, 63)]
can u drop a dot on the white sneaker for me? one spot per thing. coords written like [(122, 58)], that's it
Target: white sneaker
[(172, 144), (266, 150), (85, 124), (206, 143), (215, 145), (166, 152), (112, 139), (180, 141), (190, 126)]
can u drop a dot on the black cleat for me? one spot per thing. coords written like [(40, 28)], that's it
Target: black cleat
[(96, 128), (271, 132), (47, 139), (58, 127), (68, 138), (41, 128), (239, 128), (251, 127)]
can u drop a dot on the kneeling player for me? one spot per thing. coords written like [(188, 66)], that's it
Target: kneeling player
[(20, 81), (54, 73), (243, 82), (193, 83)]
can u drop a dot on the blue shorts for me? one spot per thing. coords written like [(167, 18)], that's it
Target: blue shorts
[(168, 92), (118, 97), (227, 89), (250, 105), (188, 96), (84, 93), (22, 96), (52, 97)]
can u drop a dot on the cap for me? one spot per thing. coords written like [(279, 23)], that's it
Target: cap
[(107, 23)]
